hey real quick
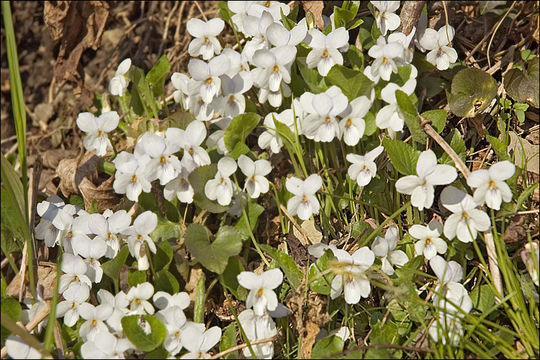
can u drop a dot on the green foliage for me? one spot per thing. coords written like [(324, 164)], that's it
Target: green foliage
[(523, 85), (471, 92), (213, 255), (141, 340), (112, 267), (10, 307), (239, 128), (318, 282), (410, 115), (165, 281), (437, 117), (457, 143), (353, 83), (163, 256), (325, 348), (157, 75), (229, 277), (403, 156), (253, 211), (136, 277), (228, 340)]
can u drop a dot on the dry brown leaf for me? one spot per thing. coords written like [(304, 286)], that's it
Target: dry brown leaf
[(73, 171), (51, 158), (47, 279), (313, 234), (194, 276), (316, 8), (104, 194), (516, 230), (525, 153), (78, 26), (309, 315)]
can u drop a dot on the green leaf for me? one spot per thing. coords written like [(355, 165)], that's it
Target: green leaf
[(12, 202), (471, 92), (229, 276), (213, 256), (353, 83), (156, 76), (239, 128), (11, 308), (458, 145), (137, 336), (224, 11), (286, 263), (198, 179), (524, 196), (112, 267), (371, 126), (322, 283), (308, 76), (253, 210), (228, 340), (437, 117), (522, 85), (163, 256), (198, 304), (136, 277), (403, 156), (328, 347), (239, 149), (432, 85), (483, 297), (166, 281), (410, 114), (500, 148), (159, 353), (166, 230)]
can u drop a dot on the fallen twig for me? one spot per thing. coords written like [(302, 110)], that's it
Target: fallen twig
[(241, 346)]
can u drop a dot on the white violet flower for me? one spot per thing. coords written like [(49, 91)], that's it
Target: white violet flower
[(255, 172), (220, 188), (429, 242), (261, 289), (363, 168), (351, 276), (385, 249), (96, 129), (490, 185), (204, 32), (304, 203)]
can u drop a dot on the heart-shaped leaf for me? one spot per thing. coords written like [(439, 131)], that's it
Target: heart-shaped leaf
[(472, 91), (523, 85), (213, 255), (136, 334)]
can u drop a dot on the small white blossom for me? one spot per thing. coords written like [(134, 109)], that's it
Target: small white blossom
[(363, 168), (258, 328), (353, 124), (105, 346), (270, 139), (138, 235), (256, 27), (385, 248), (384, 15), (204, 32), (131, 175), (91, 251), (74, 276), (466, 220), (69, 307), (385, 56), (490, 185), (255, 172), (119, 82), (220, 188), (18, 349), (326, 49), (441, 54), (108, 229), (198, 341), (95, 317), (273, 67), (279, 36), (191, 141), (207, 76), (304, 203), (351, 276), (261, 289), (429, 242), (96, 129), (321, 123), (390, 116), (138, 299), (421, 187)]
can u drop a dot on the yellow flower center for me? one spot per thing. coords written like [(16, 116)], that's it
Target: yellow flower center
[(94, 322), (276, 68), (162, 160), (348, 123), (327, 119), (492, 184), (209, 80), (260, 292), (134, 178), (428, 241), (206, 40)]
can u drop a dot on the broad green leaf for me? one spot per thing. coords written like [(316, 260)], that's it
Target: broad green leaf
[(163, 256), (328, 347), (457, 144), (286, 263), (239, 149), (136, 277), (500, 148), (159, 353), (239, 129), (371, 126), (112, 267), (156, 76), (524, 196), (253, 211), (432, 85), (143, 96), (166, 230), (310, 77), (471, 92), (402, 155), (213, 255), (410, 115), (483, 297), (353, 83), (342, 17), (522, 85), (229, 276), (228, 340), (224, 11), (354, 58), (11, 308), (166, 281), (12, 201), (321, 283), (198, 179), (437, 118), (137, 336)]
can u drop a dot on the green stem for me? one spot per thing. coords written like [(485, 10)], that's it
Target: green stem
[(383, 224)]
